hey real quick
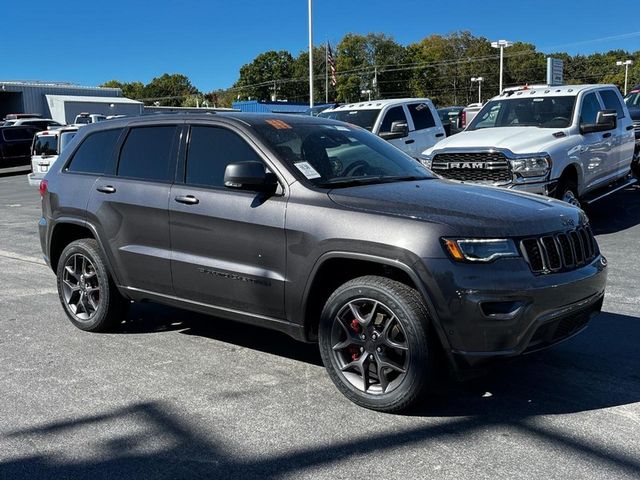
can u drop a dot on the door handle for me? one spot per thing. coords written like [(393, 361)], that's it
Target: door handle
[(187, 199), (407, 142), (606, 135), (106, 189), (630, 127), (439, 134)]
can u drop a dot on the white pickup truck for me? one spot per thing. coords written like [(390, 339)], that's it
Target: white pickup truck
[(572, 142)]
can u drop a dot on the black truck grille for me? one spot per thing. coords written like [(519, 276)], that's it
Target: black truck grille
[(560, 251), (473, 167)]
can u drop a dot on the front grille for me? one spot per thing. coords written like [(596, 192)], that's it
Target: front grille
[(560, 329), (473, 167), (561, 251)]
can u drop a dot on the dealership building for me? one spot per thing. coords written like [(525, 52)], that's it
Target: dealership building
[(63, 101)]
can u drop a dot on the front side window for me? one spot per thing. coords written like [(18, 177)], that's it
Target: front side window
[(362, 118), (612, 102), (336, 156), (395, 114), (590, 109), (94, 152), (211, 149), (146, 153), (541, 112), (421, 116)]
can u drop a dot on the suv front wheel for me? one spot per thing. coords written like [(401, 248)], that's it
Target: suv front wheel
[(87, 293), (374, 343)]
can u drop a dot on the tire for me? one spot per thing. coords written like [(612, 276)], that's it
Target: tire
[(87, 293), (400, 319), (568, 192)]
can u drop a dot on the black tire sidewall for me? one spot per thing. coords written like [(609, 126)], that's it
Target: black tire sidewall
[(567, 185), (414, 323), (101, 319)]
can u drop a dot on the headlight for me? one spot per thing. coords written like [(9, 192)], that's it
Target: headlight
[(531, 167), (426, 160), (479, 250)]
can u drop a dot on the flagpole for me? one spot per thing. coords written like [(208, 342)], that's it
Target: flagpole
[(326, 72), (310, 55)]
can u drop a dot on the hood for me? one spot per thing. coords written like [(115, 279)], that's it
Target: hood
[(516, 139), (470, 210)]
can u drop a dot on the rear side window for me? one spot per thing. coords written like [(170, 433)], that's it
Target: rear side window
[(611, 101), (421, 115), (94, 152), (395, 114), (146, 153), (211, 149)]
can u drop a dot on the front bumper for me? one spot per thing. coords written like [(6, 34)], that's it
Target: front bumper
[(547, 188), (502, 309)]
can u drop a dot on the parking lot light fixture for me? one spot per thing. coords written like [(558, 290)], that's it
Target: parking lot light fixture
[(501, 44), (626, 64), (479, 80)]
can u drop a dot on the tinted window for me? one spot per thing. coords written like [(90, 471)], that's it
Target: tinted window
[(94, 152), (590, 108), (363, 118), (17, 133), (395, 114), (45, 145), (211, 149), (65, 138), (611, 101), (146, 153), (421, 116)]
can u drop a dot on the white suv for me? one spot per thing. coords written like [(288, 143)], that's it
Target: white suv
[(573, 142), (411, 124), (45, 148)]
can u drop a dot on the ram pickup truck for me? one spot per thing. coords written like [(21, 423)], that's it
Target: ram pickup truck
[(572, 142), (321, 230)]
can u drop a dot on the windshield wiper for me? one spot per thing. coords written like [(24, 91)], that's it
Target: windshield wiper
[(350, 182)]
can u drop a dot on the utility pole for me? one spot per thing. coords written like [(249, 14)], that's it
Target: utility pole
[(479, 80), (326, 72), (501, 44), (626, 64), (311, 53)]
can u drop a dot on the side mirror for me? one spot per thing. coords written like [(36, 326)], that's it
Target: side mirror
[(399, 129), (249, 176), (605, 120)]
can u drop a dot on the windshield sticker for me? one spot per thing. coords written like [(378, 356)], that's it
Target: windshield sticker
[(279, 124), (307, 170)]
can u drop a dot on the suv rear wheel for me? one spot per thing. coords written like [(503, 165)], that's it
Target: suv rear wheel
[(87, 293), (374, 343)]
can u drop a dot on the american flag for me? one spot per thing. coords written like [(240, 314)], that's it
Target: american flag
[(331, 64)]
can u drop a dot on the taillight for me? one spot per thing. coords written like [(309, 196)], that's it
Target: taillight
[(43, 187), (463, 120)]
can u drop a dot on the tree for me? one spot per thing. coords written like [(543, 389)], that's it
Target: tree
[(268, 75), (133, 90), (169, 90)]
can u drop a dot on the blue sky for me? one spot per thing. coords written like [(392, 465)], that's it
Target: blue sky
[(87, 42)]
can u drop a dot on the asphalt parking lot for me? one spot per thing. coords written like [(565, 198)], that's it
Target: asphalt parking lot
[(174, 394)]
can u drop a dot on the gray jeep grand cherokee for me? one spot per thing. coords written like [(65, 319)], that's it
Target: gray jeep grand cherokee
[(321, 230)]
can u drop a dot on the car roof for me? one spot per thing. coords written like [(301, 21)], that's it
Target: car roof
[(549, 91), (374, 104)]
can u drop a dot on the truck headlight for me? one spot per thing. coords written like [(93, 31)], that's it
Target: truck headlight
[(531, 166), (480, 250)]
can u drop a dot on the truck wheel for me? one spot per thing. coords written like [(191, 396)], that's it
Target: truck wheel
[(568, 192), (375, 345), (88, 295)]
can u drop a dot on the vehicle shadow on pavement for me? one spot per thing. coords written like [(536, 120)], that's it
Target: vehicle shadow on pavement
[(595, 370), (620, 211)]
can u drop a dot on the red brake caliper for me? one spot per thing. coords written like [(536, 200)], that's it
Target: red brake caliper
[(355, 352)]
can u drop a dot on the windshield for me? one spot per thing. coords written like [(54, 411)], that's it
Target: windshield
[(362, 118), (542, 112), (45, 145), (633, 99), (65, 138), (334, 156)]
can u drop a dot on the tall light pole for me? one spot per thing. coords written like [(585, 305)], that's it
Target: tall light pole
[(310, 53), (501, 44), (626, 64), (479, 80)]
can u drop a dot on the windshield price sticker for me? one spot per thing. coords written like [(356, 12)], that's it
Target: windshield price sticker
[(307, 170)]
